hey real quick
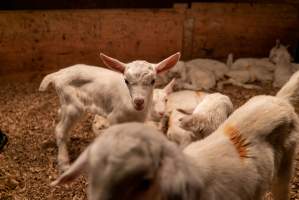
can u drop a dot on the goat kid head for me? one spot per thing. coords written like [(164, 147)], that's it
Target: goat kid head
[(280, 53), (140, 76), (136, 162), (160, 98)]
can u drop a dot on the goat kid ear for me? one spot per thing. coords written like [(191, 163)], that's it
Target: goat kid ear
[(74, 171), (113, 63), (168, 63), (169, 87), (230, 60), (277, 43)]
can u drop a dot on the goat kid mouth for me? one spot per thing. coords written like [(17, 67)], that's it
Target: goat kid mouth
[(138, 107)]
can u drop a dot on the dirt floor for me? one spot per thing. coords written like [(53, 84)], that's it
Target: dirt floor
[(28, 162)]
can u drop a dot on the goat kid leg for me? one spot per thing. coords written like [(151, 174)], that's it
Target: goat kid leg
[(236, 83), (68, 116), (280, 188)]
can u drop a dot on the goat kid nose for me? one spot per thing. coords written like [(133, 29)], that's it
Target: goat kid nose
[(139, 101)]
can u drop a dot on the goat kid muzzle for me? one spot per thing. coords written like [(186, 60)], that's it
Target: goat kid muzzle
[(138, 103)]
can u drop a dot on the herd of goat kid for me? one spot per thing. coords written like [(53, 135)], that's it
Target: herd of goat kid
[(179, 142)]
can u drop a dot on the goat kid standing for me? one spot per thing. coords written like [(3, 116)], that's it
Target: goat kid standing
[(121, 96)]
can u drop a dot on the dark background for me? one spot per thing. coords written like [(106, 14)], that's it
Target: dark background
[(93, 4)]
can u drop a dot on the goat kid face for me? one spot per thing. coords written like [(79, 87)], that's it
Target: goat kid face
[(140, 77), (279, 52), (160, 98)]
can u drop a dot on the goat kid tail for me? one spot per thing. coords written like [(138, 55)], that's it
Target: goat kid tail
[(290, 90), (46, 82)]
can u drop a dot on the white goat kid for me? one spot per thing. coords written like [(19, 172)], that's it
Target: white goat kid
[(279, 51), (160, 99), (196, 74), (282, 73), (202, 74), (282, 58), (119, 97), (208, 115), (199, 79), (218, 68), (247, 70)]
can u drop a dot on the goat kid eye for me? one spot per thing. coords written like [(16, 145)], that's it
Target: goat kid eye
[(144, 184), (126, 81)]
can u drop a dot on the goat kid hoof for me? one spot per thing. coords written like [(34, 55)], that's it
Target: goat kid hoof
[(63, 168)]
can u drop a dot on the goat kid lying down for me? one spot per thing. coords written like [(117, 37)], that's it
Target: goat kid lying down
[(180, 100), (120, 96), (250, 153), (186, 126), (248, 70), (196, 74), (207, 116)]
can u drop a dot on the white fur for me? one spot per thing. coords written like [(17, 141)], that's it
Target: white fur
[(181, 100), (252, 152), (279, 52), (184, 100), (196, 74), (202, 74), (247, 70), (282, 73), (178, 72), (121, 96), (208, 115), (156, 113), (177, 134), (199, 79), (218, 68), (160, 99), (282, 58)]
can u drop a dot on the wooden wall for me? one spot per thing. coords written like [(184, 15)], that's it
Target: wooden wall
[(244, 29), (35, 42)]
